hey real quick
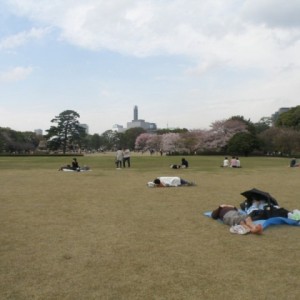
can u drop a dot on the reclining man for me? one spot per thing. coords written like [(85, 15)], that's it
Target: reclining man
[(230, 215)]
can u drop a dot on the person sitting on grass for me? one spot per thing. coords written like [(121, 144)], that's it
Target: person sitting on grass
[(184, 164), (293, 163), (74, 166), (230, 215), (225, 163), (169, 181)]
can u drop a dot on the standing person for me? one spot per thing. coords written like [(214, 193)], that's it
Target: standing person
[(126, 158), (119, 158)]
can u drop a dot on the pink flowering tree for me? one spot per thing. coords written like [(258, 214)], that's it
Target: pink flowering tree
[(221, 132), (192, 141), (170, 142), (154, 142), (141, 142)]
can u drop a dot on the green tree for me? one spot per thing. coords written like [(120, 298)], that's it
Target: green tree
[(130, 136), (111, 139), (175, 130), (67, 134), (263, 124), (243, 143), (250, 125), (280, 140), (291, 118), (17, 141)]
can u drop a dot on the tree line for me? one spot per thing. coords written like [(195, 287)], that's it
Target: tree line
[(233, 136)]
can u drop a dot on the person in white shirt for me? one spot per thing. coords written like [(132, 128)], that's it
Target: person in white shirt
[(225, 162), (126, 158), (119, 158), (169, 182)]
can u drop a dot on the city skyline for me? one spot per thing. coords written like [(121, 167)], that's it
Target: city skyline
[(185, 63)]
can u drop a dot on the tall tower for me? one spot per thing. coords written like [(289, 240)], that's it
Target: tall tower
[(135, 113)]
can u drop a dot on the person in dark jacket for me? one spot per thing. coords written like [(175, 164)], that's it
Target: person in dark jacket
[(184, 163)]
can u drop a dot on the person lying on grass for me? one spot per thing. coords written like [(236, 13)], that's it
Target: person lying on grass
[(230, 215), (169, 181)]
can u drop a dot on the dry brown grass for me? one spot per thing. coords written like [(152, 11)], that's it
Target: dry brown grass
[(104, 235)]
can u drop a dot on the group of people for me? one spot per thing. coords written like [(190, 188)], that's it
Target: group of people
[(122, 158), (184, 164), (233, 163)]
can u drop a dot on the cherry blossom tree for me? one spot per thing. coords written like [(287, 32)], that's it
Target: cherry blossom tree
[(221, 132), (141, 142), (154, 142), (192, 141), (170, 142)]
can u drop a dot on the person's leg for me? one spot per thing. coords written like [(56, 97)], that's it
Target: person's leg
[(183, 182), (128, 162)]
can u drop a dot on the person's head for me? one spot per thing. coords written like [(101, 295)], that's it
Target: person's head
[(156, 181), (74, 159), (226, 157)]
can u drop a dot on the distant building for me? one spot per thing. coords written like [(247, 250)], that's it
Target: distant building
[(85, 127), (118, 128), (38, 131), (136, 122), (281, 110)]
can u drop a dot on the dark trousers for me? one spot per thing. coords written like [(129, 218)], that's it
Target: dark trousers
[(128, 161)]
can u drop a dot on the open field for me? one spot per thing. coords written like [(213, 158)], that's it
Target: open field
[(105, 235)]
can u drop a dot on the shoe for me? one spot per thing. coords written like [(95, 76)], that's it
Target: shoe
[(239, 229)]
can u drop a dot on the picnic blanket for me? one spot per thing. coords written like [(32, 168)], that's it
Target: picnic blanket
[(71, 170), (269, 222)]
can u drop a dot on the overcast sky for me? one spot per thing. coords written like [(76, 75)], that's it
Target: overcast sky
[(184, 63)]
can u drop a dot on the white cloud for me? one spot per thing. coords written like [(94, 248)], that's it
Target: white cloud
[(273, 13), (15, 74), (205, 31), (255, 41), (21, 38)]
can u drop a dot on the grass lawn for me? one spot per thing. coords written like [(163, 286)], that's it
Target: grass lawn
[(104, 234)]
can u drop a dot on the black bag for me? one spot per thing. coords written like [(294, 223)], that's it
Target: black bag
[(268, 212), (272, 212)]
